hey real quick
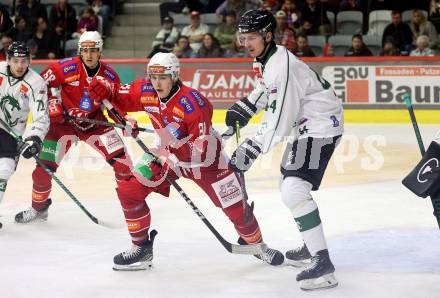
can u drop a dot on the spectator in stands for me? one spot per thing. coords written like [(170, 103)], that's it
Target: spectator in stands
[(20, 32), (165, 38), (44, 39), (302, 48), (434, 13), (271, 5), (195, 31), (399, 32), (239, 6), (178, 7), (314, 19), (6, 42), (328, 50), (293, 14), (422, 47), (420, 26), (226, 31), (5, 21), (358, 48), (236, 50), (62, 18), (284, 35), (87, 22), (349, 5), (389, 48), (31, 10), (103, 9), (210, 47), (183, 43), (33, 48)]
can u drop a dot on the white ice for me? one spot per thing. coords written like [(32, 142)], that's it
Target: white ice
[(383, 240)]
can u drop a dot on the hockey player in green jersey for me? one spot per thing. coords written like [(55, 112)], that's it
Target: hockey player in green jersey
[(22, 91), (301, 108)]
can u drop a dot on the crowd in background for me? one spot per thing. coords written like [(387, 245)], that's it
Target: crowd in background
[(51, 31), (296, 21), (47, 29)]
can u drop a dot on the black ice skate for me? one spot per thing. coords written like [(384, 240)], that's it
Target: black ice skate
[(270, 255), (31, 214), (298, 257), (137, 257), (319, 274)]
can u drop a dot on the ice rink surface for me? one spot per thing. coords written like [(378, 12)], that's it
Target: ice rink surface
[(383, 240)]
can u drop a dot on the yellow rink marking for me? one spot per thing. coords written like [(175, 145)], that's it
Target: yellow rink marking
[(350, 116)]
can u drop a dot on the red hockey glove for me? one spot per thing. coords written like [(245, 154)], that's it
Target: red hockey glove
[(55, 110), (99, 89)]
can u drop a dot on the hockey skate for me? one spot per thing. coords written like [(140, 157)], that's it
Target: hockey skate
[(270, 255), (137, 257), (319, 274), (31, 214), (298, 257)]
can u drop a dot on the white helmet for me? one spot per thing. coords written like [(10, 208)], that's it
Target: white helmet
[(90, 39), (164, 63)]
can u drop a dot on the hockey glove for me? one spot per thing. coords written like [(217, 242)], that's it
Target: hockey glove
[(55, 108), (31, 146), (131, 128), (99, 89), (245, 155), (241, 112)]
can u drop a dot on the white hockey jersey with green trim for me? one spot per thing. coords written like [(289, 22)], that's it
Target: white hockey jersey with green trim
[(18, 97), (298, 102)]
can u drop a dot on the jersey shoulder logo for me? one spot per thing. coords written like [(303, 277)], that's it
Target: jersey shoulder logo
[(69, 68), (198, 98), (186, 104), (8, 105), (109, 74)]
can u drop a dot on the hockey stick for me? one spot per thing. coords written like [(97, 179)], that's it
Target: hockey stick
[(105, 123), (245, 197), (251, 249), (58, 181), (436, 199)]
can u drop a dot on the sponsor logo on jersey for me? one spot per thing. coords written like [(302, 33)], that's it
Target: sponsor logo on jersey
[(257, 70), (174, 131), (147, 87), (65, 60), (72, 78), (69, 68), (152, 109), (178, 112), (198, 98), (149, 100), (109, 74), (186, 105), (1, 80), (74, 83), (177, 119), (274, 90), (24, 88), (86, 103)]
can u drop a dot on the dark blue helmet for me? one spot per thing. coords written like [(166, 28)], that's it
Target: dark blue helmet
[(18, 49), (257, 20)]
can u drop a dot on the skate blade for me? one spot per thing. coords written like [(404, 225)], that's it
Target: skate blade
[(324, 282), (134, 267), (298, 264)]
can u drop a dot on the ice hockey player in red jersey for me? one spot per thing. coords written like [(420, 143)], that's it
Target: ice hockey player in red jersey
[(189, 147), (73, 77)]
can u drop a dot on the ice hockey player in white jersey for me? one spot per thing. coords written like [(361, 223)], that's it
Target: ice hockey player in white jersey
[(301, 108), (22, 90)]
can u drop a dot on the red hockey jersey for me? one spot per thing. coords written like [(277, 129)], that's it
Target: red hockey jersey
[(183, 122), (71, 77)]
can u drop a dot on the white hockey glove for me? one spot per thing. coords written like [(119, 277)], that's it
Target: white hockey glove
[(245, 155)]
